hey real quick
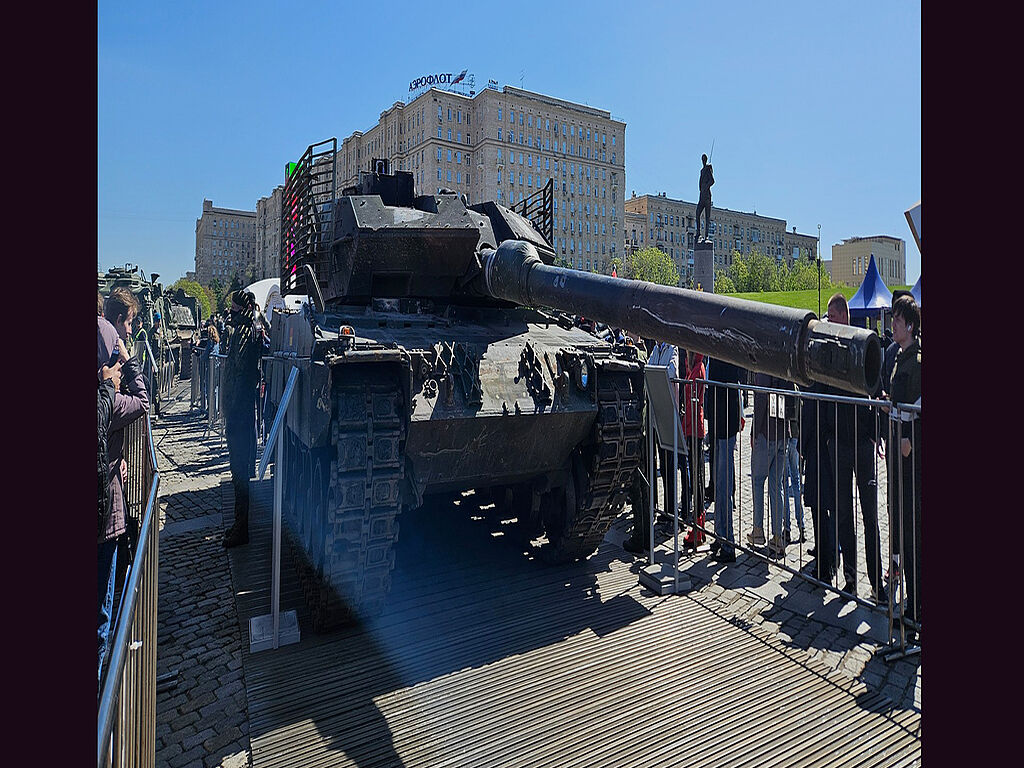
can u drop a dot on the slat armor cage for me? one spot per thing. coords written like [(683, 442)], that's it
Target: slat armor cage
[(307, 224)]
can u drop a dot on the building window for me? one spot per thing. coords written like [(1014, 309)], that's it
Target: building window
[(449, 134), (439, 131), (460, 116), (499, 113), (499, 139)]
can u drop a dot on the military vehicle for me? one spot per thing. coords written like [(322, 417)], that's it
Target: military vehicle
[(428, 365), (181, 321)]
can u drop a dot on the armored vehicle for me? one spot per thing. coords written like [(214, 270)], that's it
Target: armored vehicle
[(427, 364), (181, 319), (150, 297)]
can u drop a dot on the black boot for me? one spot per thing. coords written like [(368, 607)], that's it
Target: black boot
[(238, 533)]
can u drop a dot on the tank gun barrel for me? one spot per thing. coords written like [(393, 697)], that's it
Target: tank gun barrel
[(785, 342)]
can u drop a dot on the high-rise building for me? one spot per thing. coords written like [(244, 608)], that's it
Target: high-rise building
[(225, 244), (504, 145), (851, 257), (666, 223), (268, 234)]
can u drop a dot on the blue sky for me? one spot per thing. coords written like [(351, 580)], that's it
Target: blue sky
[(814, 108)]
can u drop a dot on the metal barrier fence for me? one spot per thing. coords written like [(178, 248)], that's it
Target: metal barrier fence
[(195, 381), (126, 723), (214, 393), (864, 519)]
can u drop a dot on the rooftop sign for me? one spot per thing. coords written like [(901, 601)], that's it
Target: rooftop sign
[(441, 78)]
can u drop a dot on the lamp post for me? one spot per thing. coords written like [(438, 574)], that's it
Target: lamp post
[(818, 260)]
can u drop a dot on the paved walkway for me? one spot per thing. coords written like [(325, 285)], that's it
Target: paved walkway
[(202, 717)]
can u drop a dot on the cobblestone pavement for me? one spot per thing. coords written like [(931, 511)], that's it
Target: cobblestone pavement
[(202, 719)]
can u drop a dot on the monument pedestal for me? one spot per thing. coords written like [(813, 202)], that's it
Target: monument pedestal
[(704, 266)]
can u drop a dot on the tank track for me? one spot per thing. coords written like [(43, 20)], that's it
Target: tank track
[(615, 457), (360, 521)]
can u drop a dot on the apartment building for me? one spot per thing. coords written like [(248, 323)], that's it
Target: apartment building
[(225, 244), (669, 224), (851, 257), (268, 234), (505, 145)]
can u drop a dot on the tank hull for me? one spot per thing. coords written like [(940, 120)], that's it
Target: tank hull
[(415, 404)]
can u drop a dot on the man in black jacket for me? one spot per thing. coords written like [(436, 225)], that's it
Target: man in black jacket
[(850, 433), (818, 489), (905, 451), (243, 349), (724, 418)]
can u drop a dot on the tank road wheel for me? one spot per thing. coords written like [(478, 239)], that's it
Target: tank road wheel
[(364, 498), (600, 478), (564, 517), (516, 501)]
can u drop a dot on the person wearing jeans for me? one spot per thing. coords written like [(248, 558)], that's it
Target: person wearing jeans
[(792, 486), (724, 420), (769, 441)]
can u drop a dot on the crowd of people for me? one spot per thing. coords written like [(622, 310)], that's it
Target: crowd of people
[(124, 394), (808, 451)]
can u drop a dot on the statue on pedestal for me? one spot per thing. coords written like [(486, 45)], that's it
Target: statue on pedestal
[(707, 179)]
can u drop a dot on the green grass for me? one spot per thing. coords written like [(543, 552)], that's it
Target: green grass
[(801, 299)]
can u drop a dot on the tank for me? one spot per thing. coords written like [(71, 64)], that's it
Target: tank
[(434, 357), (150, 296), (181, 316)]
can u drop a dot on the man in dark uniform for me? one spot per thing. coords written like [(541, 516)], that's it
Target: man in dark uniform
[(707, 179), (243, 349), (904, 452)]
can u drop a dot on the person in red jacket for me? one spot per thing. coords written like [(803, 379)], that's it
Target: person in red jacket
[(691, 409)]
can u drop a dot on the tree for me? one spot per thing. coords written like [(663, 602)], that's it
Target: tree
[(217, 293), (803, 275), (724, 283), (757, 272), (236, 285), (194, 289), (652, 265)]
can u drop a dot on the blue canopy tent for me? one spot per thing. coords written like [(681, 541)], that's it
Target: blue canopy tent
[(916, 291), (872, 298)]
